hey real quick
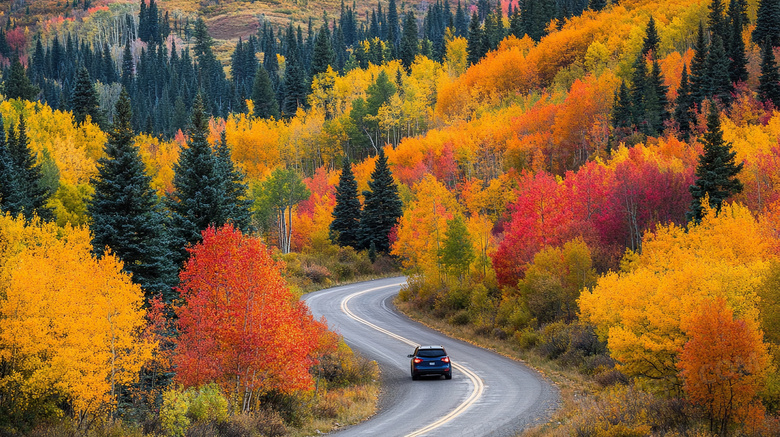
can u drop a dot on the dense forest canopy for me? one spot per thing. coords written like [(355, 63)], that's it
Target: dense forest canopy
[(579, 177)]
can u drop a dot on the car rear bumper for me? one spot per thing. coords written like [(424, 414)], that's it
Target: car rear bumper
[(431, 370)]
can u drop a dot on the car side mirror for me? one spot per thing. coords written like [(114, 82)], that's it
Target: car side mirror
[(410, 356)]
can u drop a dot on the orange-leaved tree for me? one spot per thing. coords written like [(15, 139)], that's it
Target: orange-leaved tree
[(71, 324), (240, 325), (724, 364)]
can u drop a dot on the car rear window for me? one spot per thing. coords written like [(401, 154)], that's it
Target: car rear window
[(430, 353)]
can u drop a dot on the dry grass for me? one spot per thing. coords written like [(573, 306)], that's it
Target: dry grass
[(341, 407)]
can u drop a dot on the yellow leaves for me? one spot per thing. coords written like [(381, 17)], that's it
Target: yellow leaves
[(69, 320), (75, 149), (643, 310), (456, 57), (422, 228)]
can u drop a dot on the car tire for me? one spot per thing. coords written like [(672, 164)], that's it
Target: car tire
[(415, 377), (448, 375)]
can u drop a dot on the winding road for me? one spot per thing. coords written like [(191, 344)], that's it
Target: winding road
[(489, 394)]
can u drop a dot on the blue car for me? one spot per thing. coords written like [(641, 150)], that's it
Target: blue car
[(430, 360)]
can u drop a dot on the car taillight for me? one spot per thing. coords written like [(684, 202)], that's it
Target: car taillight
[(445, 360), (417, 360)]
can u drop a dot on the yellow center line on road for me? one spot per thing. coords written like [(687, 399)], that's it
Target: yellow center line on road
[(476, 381)]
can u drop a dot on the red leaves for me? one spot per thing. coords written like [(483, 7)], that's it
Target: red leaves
[(241, 326)]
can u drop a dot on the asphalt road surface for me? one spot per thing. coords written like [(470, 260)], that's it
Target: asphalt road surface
[(488, 395)]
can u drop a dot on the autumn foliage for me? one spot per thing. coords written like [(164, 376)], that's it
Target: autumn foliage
[(724, 364), (71, 323), (240, 326)]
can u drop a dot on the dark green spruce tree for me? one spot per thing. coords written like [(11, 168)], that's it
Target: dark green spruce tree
[(409, 43), (767, 23), (381, 208), (323, 55), (650, 44), (718, 64), (656, 100), (125, 211), (29, 192), (474, 47), (346, 213), (769, 81), (263, 96), (622, 114), (684, 105), (735, 49), (84, 99), (716, 174), (17, 85), (236, 203), (196, 200), (698, 77)]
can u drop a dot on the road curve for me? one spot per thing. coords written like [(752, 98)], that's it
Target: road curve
[(489, 394)]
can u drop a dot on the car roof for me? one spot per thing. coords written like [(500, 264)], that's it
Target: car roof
[(430, 347)]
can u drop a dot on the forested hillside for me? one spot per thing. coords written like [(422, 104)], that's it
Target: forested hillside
[(591, 184)]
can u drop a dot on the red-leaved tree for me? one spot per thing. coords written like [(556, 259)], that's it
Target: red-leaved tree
[(240, 325)]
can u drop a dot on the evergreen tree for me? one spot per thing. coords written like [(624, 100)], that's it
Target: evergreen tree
[(597, 5), (263, 95), (767, 23), (346, 213), (650, 44), (84, 99), (659, 109), (720, 85), (236, 203), (716, 174), (736, 46), (409, 41), (639, 93), (9, 193), (196, 200), (323, 52), (699, 78), (393, 28), (684, 105), (30, 193), (128, 68), (381, 208), (17, 85), (475, 48), (125, 211), (717, 24), (769, 81), (462, 22), (622, 113)]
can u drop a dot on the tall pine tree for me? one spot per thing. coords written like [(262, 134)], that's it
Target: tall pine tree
[(263, 96), (30, 194), (684, 105), (699, 79), (769, 81), (84, 99), (236, 202), (409, 42), (346, 213), (125, 211), (381, 208), (716, 174), (767, 23), (196, 200)]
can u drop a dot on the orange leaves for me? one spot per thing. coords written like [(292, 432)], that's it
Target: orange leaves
[(502, 73), (71, 323), (241, 327), (724, 364)]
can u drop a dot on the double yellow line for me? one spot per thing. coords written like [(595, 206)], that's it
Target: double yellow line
[(476, 381)]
